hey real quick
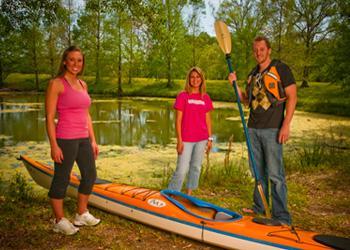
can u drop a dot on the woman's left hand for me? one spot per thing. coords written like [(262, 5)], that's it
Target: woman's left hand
[(94, 149), (209, 146)]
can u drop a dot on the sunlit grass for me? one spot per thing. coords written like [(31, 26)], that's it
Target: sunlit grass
[(324, 98)]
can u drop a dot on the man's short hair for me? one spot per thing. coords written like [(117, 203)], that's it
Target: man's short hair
[(263, 38)]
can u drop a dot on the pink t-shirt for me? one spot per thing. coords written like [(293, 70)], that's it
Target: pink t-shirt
[(72, 111), (194, 108)]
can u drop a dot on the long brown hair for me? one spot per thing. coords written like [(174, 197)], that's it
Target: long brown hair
[(188, 87), (62, 69)]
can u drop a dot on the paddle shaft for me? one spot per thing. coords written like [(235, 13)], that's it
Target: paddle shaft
[(247, 139)]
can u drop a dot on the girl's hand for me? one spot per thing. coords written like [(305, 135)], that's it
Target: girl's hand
[(180, 147), (95, 149), (56, 154), (209, 146)]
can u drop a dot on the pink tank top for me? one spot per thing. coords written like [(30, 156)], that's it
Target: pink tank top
[(72, 111)]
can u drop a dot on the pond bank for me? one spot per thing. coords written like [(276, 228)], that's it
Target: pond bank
[(134, 165), (318, 199)]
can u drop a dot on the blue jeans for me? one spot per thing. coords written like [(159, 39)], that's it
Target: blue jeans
[(189, 161), (268, 155)]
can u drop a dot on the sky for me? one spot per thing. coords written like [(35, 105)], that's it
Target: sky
[(207, 21)]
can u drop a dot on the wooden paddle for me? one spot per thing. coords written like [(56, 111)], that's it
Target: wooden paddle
[(223, 37)]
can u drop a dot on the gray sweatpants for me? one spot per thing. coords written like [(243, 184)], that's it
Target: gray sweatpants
[(78, 150)]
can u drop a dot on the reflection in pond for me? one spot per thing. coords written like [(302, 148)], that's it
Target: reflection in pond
[(125, 122)]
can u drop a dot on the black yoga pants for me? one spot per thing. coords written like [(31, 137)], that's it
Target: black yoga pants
[(74, 150)]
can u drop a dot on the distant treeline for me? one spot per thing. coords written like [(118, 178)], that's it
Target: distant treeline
[(162, 38)]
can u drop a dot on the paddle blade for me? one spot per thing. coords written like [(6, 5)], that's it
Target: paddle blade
[(223, 36)]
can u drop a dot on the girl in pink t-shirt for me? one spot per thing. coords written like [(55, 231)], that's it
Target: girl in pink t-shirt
[(193, 129)]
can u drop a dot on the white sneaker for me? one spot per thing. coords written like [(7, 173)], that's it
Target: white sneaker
[(85, 219), (64, 226)]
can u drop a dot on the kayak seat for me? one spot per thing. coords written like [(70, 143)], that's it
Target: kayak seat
[(222, 216), (199, 208)]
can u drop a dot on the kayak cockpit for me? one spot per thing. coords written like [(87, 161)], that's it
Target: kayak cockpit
[(200, 208)]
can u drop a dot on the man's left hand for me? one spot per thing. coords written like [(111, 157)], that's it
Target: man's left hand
[(283, 135)]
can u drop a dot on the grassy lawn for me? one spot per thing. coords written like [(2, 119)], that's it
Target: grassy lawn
[(324, 98)]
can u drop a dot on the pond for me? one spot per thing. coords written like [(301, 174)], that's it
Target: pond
[(124, 122)]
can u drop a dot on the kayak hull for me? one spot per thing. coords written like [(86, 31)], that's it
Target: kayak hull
[(193, 220)]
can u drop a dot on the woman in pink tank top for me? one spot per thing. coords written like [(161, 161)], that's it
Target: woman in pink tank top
[(72, 140)]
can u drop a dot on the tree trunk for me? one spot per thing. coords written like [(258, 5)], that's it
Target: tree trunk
[(131, 55), (305, 83), (169, 83), (35, 60), (168, 46), (70, 7), (194, 45), (280, 23), (1, 75), (120, 91), (51, 53), (97, 76)]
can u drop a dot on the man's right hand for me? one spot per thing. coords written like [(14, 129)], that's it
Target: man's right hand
[(232, 77)]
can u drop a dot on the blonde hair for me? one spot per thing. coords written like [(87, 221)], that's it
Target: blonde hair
[(188, 87)]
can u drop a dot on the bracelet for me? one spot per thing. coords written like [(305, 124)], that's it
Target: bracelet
[(210, 138)]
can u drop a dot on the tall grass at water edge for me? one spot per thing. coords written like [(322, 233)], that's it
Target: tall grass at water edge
[(319, 153), (228, 185)]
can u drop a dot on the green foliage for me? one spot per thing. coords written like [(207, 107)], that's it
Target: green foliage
[(320, 153), (162, 39), (224, 175), (166, 176), (324, 98), (26, 82), (19, 189), (312, 155), (232, 171)]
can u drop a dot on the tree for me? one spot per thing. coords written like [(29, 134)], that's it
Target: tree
[(28, 17), (56, 39), (90, 34), (166, 35), (247, 19), (312, 23), (197, 8), (8, 47), (342, 49), (68, 14), (281, 24)]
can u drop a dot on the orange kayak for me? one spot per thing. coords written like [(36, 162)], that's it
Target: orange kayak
[(188, 216)]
